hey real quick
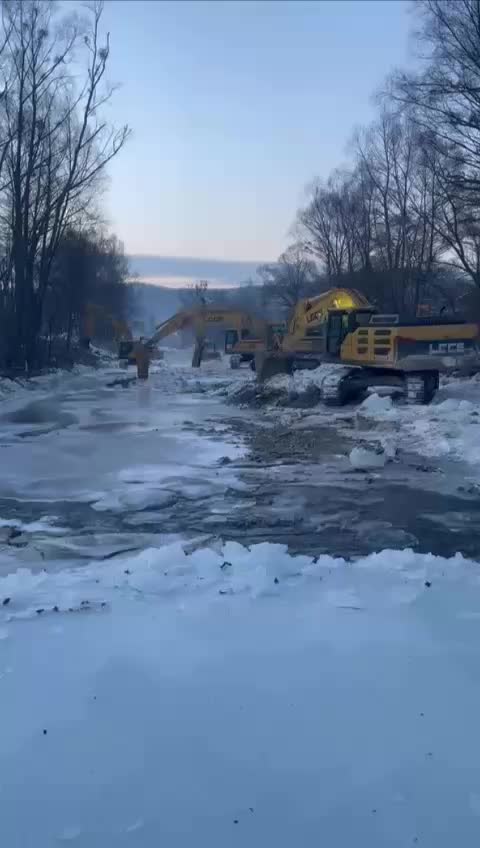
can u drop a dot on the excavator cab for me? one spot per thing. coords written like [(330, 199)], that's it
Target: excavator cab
[(340, 323), (232, 337)]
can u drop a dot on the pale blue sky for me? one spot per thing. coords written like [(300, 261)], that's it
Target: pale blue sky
[(235, 107)]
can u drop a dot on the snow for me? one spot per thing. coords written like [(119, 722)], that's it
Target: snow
[(302, 380), (233, 710), (448, 427)]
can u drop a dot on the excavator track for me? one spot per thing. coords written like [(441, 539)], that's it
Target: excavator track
[(335, 386), (420, 387)]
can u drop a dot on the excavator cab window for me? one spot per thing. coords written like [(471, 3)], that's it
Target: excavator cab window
[(359, 318)]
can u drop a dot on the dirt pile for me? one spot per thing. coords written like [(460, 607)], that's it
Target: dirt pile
[(272, 393)]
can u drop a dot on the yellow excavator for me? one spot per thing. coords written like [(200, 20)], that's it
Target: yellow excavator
[(371, 349), (95, 314), (240, 326)]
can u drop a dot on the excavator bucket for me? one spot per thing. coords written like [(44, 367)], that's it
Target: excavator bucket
[(268, 365)]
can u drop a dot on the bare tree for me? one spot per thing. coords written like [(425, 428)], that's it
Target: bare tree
[(444, 96), (322, 226), (292, 277), (58, 146)]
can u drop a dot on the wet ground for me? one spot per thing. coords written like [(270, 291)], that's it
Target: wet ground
[(91, 470)]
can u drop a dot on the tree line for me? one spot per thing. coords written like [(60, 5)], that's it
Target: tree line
[(55, 254), (402, 222)]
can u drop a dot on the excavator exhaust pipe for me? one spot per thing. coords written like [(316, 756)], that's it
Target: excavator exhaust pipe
[(269, 365)]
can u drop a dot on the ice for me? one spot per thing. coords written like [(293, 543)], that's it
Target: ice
[(205, 707), (46, 525), (376, 404), (162, 430), (179, 567), (364, 459), (135, 498), (448, 427)]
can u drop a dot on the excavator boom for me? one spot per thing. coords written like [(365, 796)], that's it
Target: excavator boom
[(235, 321)]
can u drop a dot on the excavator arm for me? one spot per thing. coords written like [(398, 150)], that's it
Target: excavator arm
[(199, 320), (180, 321)]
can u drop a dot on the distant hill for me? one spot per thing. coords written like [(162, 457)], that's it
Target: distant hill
[(151, 304), (172, 271)]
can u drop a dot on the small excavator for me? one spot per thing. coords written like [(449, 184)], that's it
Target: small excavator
[(341, 327)]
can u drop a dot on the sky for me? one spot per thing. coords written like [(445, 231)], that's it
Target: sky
[(235, 107)]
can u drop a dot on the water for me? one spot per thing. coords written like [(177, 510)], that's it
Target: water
[(82, 445)]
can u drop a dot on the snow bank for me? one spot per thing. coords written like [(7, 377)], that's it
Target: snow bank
[(301, 381), (448, 427), (172, 571)]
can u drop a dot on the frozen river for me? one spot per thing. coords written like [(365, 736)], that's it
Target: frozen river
[(91, 467), (172, 675)]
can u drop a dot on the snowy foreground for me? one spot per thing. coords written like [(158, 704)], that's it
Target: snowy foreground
[(227, 696), (194, 700)]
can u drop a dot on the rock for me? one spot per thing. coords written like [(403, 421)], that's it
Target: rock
[(124, 382), (305, 400), (18, 540), (6, 534)]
